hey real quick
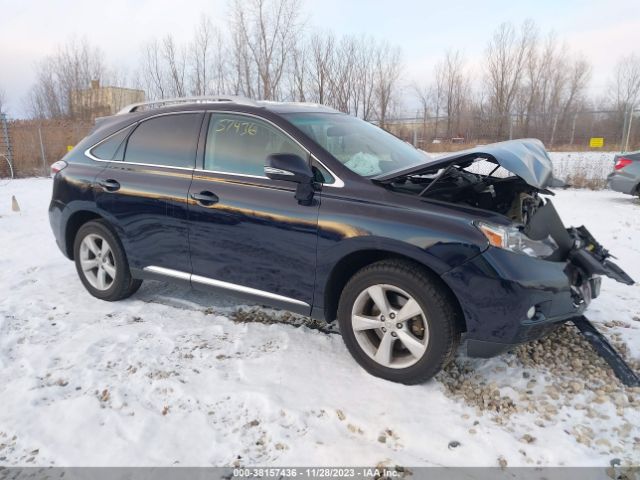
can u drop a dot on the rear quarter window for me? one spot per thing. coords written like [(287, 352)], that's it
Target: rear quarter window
[(112, 148), (169, 140)]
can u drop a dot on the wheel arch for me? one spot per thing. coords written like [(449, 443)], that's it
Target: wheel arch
[(351, 263), (73, 224)]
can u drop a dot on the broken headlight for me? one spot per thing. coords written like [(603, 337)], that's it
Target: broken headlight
[(513, 239)]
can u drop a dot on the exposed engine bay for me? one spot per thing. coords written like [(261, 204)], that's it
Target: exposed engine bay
[(510, 196)]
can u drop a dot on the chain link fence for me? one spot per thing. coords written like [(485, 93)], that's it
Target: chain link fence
[(6, 149), (571, 131), (29, 147)]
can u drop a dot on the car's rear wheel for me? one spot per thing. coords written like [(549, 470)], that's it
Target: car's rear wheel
[(398, 322), (102, 264)]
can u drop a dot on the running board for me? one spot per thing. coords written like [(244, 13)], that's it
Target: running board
[(601, 345)]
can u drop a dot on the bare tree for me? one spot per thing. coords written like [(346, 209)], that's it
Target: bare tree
[(175, 59), (322, 54), (264, 34), (388, 69), (437, 94), (61, 76), (578, 76), (431, 97), (153, 74), (342, 74), (625, 86), (507, 53), (299, 73), (552, 87), (207, 65), (200, 55), (365, 64), (456, 88)]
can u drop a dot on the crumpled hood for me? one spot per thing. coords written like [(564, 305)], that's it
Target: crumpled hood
[(526, 158)]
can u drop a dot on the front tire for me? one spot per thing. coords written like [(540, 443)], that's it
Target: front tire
[(102, 264), (398, 322)]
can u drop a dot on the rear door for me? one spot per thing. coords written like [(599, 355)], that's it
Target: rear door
[(248, 233), (143, 192)]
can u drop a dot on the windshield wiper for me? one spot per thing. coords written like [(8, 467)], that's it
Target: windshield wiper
[(439, 176)]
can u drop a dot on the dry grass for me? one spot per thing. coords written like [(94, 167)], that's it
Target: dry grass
[(583, 170)]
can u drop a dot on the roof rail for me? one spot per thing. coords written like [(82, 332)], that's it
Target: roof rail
[(178, 100)]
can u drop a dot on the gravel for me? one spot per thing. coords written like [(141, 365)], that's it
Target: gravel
[(560, 374)]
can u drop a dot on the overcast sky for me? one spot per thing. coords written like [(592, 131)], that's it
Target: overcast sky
[(31, 29)]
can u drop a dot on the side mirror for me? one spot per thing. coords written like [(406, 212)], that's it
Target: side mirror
[(288, 167), (292, 168)]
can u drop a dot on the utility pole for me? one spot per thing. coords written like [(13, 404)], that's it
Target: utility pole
[(626, 144), (510, 126), (573, 127), (44, 160), (624, 128)]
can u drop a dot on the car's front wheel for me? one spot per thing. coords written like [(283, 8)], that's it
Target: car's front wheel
[(398, 322), (101, 263)]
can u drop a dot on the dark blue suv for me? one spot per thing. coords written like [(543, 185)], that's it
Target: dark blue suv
[(307, 209)]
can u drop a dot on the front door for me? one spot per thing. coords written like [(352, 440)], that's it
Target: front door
[(143, 191), (248, 233)]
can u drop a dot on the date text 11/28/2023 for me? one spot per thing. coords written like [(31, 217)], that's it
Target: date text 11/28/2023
[(319, 472)]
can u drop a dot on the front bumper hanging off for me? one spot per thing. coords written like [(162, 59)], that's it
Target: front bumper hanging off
[(509, 298), (601, 345)]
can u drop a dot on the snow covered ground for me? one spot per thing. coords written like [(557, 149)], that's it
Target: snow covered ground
[(174, 377)]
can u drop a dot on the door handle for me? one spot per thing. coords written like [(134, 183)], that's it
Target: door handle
[(205, 198), (109, 185)]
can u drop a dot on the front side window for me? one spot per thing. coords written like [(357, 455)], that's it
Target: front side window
[(359, 145), (169, 140), (241, 144)]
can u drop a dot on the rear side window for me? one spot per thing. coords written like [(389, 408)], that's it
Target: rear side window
[(170, 140), (240, 144), (113, 147)]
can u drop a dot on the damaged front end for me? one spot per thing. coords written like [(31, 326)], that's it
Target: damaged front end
[(511, 178), (536, 272)]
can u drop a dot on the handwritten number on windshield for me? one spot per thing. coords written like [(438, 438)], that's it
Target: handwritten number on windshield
[(236, 127)]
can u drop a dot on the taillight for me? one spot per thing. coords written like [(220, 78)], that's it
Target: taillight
[(621, 163), (58, 166)]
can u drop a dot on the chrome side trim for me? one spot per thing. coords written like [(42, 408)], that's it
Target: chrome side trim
[(220, 284), (218, 172), (168, 272), (241, 288), (120, 162), (277, 171)]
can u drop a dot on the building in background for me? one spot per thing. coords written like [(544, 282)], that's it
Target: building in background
[(98, 101)]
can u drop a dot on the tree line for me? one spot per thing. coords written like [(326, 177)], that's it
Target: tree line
[(266, 51)]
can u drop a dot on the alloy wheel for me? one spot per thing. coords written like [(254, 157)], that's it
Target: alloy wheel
[(390, 326), (97, 262)]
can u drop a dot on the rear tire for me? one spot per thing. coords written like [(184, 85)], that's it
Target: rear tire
[(101, 263), (416, 337)]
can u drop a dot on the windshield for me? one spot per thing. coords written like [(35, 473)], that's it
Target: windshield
[(359, 145)]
